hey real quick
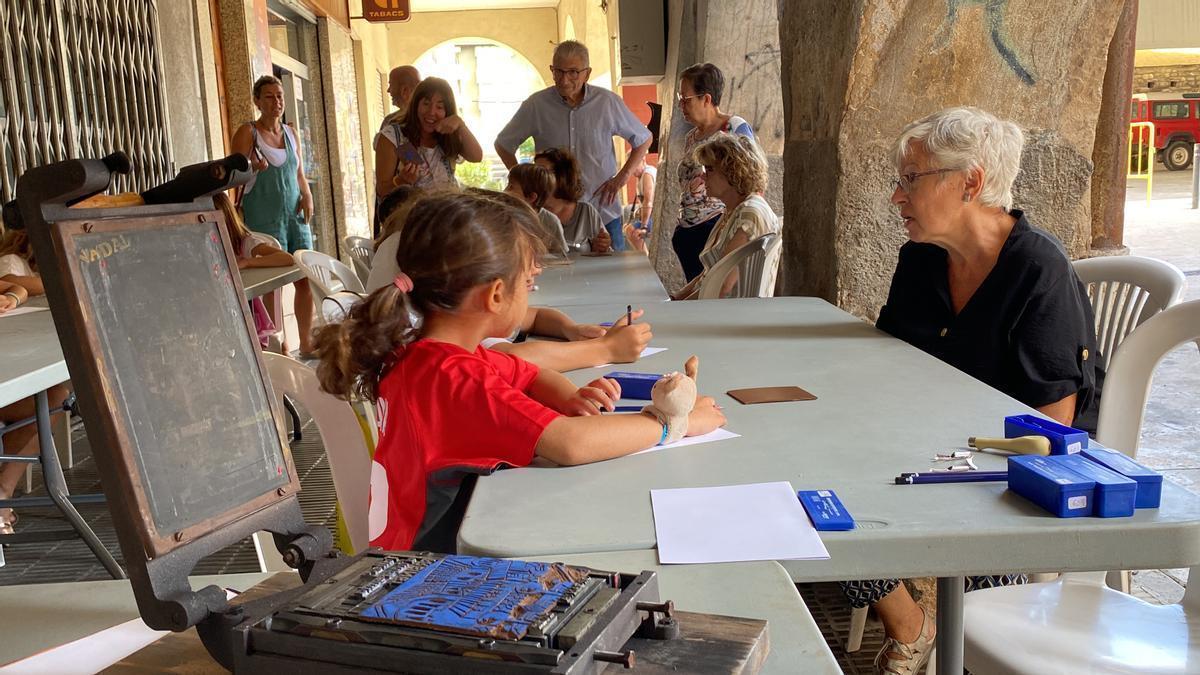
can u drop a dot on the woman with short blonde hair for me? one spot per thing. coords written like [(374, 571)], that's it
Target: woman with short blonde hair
[(735, 172)]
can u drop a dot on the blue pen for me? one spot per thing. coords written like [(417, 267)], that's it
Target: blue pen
[(628, 408), (962, 477)]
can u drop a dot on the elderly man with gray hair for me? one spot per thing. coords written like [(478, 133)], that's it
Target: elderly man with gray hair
[(583, 119), (980, 288)]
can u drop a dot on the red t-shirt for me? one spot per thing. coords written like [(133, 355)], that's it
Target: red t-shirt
[(444, 413)]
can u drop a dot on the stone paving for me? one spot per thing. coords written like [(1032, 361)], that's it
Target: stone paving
[(1169, 229)]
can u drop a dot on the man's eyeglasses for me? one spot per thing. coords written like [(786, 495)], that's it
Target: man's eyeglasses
[(572, 73), (682, 99), (906, 180)]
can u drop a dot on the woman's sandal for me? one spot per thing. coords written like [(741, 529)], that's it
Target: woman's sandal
[(7, 522), (909, 657)]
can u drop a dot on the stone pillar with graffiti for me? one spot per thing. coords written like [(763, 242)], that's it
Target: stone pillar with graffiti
[(855, 72), (742, 39)]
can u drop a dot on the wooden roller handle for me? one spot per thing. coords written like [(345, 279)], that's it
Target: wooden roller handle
[(1024, 445)]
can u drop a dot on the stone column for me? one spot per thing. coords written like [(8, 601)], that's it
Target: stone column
[(1111, 155), (246, 52), (742, 39), (855, 72), (342, 121)]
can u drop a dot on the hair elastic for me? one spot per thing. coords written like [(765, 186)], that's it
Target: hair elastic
[(403, 282)]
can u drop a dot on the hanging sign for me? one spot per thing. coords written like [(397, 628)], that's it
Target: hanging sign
[(380, 11)]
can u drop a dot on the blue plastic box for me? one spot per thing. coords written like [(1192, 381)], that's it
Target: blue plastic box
[(635, 385), (1064, 440), (1149, 481), (1115, 494), (1050, 485)]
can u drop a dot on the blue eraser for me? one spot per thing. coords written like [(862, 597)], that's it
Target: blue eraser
[(1064, 440), (1051, 485), (825, 510), (606, 324), (1149, 481), (1115, 494), (635, 385)]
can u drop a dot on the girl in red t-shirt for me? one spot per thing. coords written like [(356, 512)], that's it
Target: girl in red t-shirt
[(449, 409)]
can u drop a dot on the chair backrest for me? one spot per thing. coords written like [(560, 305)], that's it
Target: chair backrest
[(756, 278), (1127, 382), (362, 253), (329, 276), (345, 445), (1125, 291)]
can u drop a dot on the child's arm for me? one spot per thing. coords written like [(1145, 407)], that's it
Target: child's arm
[(265, 255), (619, 345), (32, 284), (580, 440), (553, 390)]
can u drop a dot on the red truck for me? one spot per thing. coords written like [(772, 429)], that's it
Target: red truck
[(1176, 119)]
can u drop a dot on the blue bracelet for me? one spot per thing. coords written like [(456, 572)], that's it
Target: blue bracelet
[(664, 436)]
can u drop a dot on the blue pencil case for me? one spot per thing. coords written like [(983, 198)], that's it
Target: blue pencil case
[(1115, 494), (635, 385), (1051, 485), (1149, 481), (1064, 440)]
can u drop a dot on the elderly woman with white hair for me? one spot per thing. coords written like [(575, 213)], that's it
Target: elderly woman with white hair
[(982, 289)]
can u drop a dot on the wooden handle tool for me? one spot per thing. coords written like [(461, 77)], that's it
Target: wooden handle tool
[(1023, 445)]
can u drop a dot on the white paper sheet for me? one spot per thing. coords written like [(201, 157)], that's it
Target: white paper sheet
[(646, 351), (718, 435), (23, 310), (733, 523)]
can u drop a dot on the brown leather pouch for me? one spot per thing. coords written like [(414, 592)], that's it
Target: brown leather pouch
[(770, 395)]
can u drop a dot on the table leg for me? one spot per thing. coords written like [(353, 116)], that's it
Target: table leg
[(950, 625), (56, 487)]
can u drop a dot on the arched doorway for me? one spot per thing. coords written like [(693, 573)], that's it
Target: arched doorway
[(490, 80)]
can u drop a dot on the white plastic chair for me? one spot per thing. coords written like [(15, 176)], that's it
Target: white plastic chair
[(1077, 624), (328, 277), (756, 262), (345, 448), (362, 253), (1125, 291)]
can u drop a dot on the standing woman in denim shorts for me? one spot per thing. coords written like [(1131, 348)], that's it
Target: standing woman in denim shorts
[(277, 201)]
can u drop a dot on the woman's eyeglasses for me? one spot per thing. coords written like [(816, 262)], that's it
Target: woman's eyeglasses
[(906, 180)]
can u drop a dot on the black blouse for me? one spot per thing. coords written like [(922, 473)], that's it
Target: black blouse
[(1028, 330)]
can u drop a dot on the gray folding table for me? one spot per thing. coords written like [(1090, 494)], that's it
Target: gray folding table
[(882, 408)]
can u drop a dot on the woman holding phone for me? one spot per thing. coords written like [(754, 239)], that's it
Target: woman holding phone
[(423, 147)]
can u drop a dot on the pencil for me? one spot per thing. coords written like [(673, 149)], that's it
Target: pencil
[(628, 315)]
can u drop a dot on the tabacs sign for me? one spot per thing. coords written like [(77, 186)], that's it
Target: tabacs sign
[(386, 10)]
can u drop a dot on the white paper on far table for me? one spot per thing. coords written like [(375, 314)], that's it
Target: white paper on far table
[(719, 434), (733, 523), (27, 310), (646, 351)]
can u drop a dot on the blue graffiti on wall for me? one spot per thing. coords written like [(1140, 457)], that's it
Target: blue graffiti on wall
[(994, 20)]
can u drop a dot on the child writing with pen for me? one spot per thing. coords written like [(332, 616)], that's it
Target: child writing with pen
[(449, 409)]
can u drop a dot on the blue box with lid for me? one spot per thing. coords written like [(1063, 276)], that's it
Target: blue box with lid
[(1115, 494), (1051, 485), (635, 385), (1064, 440), (1149, 481)]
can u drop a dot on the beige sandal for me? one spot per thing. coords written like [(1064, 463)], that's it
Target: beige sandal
[(907, 658)]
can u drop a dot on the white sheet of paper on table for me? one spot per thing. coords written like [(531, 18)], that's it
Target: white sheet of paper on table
[(23, 310), (733, 523), (718, 435), (646, 351)]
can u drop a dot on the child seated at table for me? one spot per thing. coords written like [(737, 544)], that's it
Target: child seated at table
[(533, 184), (580, 220), (253, 250), (17, 264), (449, 409), (581, 346)]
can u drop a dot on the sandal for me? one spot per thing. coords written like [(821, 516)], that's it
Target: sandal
[(7, 521), (907, 658)]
